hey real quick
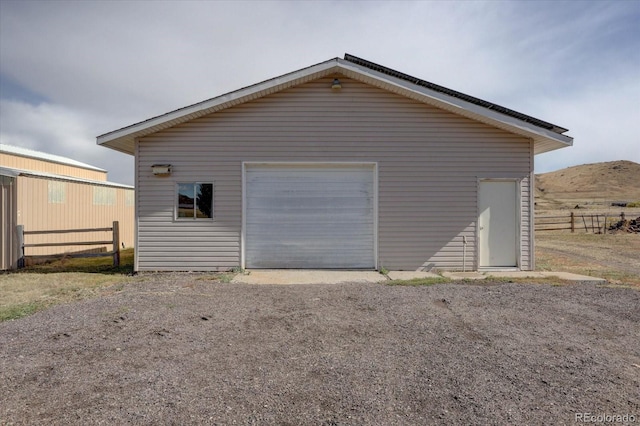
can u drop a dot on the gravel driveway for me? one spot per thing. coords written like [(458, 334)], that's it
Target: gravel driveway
[(178, 349)]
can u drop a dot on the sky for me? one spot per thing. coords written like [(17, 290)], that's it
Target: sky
[(70, 71)]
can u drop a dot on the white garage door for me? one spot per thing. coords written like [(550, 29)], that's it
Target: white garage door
[(309, 216)]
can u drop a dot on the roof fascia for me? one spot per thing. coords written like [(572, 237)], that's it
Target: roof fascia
[(4, 171), (49, 158)]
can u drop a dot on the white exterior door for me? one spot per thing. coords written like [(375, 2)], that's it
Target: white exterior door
[(497, 223), (309, 216)]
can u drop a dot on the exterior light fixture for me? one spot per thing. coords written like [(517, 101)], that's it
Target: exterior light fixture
[(336, 85), (161, 169)]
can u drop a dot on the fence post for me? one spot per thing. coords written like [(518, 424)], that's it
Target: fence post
[(573, 223), (20, 243), (116, 244)]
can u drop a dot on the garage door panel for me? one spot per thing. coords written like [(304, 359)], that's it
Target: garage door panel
[(342, 186), (326, 216), (322, 231), (311, 198), (310, 217), (300, 258), (321, 216), (312, 206), (316, 244)]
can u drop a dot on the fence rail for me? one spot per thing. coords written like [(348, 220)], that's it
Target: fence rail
[(596, 223), (115, 241)]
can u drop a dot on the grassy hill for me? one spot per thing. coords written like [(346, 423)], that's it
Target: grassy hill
[(590, 185)]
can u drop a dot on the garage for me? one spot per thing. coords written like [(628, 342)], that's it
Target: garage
[(345, 164), (309, 216)]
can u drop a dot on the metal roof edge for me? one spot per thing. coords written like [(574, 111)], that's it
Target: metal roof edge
[(44, 156), (5, 171), (8, 171)]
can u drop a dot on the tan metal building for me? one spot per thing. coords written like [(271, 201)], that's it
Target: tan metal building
[(43, 192), (343, 164)]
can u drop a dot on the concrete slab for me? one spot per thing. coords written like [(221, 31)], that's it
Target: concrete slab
[(514, 274), (476, 275), (290, 276), (574, 277), (410, 275)]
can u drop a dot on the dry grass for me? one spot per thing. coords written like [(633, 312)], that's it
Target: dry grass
[(102, 265), (419, 281), (589, 184), (615, 257), (37, 287)]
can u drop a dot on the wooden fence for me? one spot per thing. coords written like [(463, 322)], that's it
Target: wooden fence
[(596, 223), (115, 242)]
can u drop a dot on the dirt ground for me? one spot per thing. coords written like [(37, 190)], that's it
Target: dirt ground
[(615, 257), (180, 349)]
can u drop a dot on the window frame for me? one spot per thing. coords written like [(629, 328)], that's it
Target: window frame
[(176, 201)]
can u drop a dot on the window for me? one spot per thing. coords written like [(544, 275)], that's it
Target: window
[(195, 201), (104, 196), (57, 192)]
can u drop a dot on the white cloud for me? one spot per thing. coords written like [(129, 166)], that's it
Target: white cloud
[(604, 122), (105, 65), (58, 130)]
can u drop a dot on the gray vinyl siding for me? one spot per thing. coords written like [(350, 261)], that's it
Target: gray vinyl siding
[(429, 162)]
